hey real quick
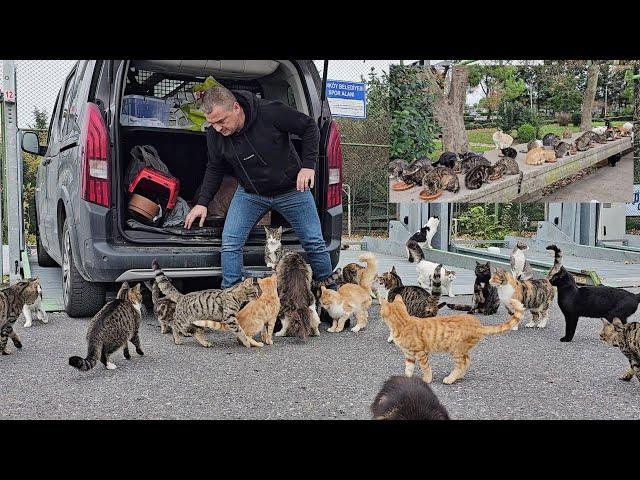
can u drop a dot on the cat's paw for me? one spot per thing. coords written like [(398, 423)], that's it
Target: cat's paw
[(18, 343), (269, 342), (6, 352), (565, 339), (111, 366), (530, 324), (515, 327), (27, 324), (449, 379), (625, 377), (427, 378), (390, 339), (357, 328), (331, 329), (127, 355), (139, 351), (281, 333)]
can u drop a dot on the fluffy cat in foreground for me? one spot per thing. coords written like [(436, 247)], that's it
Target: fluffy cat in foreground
[(113, 327), (426, 270), (403, 398), (485, 296), (258, 316), (627, 339), (534, 295), (350, 298), (13, 300), (455, 334), (211, 304)]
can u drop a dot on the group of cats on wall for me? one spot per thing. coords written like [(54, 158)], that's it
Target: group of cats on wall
[(293, 299), (477, 170)]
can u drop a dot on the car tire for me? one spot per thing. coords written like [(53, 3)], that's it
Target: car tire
[(44, 260), (81, 298)]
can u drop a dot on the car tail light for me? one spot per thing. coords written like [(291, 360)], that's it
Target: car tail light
[(334, 160), (95, 169)]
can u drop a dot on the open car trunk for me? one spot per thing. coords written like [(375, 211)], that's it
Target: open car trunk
[(183, 150)]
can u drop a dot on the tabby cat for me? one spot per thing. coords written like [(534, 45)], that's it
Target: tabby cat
[(402, 398), (420, 303), (464, 165), (426, 271), (535, 295), (114, 326), (13, 300), (258, 316), (562, 149), (396, 167), (273, 243), (416, 172), (163, 307), (549, 155), (627, 339), (583, 142), (212, 304), (505, 166), (550, 140), (566, 133), (455, 334), (485, 296), (441, 178), (477, 176)]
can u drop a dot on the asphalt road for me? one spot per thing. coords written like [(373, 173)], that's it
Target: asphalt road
[(524, 374)]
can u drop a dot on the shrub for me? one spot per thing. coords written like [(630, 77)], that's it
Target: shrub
[(576, 118), (563, 119), (526, 133)]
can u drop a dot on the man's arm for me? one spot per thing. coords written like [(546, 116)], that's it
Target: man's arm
[(214, 173), (289, 119)]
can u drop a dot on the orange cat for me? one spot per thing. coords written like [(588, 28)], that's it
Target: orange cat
[(535, 156), (454, 334), (351, 298), (258, 315)]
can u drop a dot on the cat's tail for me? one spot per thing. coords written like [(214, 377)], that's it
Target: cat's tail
[(464, 308), (84, 364), (211, 324), (557, 260), (154, 289), (164, 284), (517, 308), (368, 275), (300, 324), (436, 283)]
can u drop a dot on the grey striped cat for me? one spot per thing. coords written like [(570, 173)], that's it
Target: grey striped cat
[(419, 302), (627, 339), (562, 149), (477, 176), (113, 327), (470, 161), (505, 166), (163, 307), (416, 172), (213, 304), (441, 178), (13, 300), (583, 142)]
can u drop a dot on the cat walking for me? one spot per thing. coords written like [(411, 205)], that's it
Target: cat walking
[(13, 300), (627, 339)]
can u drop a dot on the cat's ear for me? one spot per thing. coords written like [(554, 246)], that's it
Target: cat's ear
[(136, 289), (280, 229), (266, 230), (478, 263), (248, 281), (322, 288), (605, 322), (617, 323), (488, 264), (398, 299), (393, 269)]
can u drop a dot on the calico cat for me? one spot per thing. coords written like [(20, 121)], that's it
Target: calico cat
[(114, 326), (455, 334), (535, 156), (426, 271), (531, 145), (403, 398), (520, 267), (550, 140), (505, 166), (351, 298), (440, 178), (535, 295), (420, 303), (447, 159), (163, 307), (13, 300), (477, 176), (257, 316), (587, 301), (463, 166), (509, 152), (298, 314), (416, 172), (627, 339), (485, 295), (351, 273), (211, 304), (396, 167), (562, 149)]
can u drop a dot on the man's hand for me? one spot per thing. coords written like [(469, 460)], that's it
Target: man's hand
[(305, 176), (199, 211)]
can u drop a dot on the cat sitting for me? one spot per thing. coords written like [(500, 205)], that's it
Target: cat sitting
[(113, 327), (426, 270), (455, 334), (627, 339), (485, 296), (403, 398)]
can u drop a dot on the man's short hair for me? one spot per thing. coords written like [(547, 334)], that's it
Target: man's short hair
[(217, 96)]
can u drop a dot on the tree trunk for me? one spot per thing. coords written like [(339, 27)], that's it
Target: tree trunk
[(449, 112), (589, 97)]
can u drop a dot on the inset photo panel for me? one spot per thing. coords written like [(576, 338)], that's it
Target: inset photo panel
[(556, 131)]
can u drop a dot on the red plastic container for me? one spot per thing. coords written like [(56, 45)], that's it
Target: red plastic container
[(156, 186)]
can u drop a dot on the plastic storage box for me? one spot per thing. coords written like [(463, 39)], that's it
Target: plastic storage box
[(149, 111)]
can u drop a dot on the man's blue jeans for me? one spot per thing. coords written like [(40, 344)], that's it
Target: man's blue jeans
[(298, 208)]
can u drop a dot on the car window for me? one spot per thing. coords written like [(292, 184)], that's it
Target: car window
[(66, 104), (73, 102)]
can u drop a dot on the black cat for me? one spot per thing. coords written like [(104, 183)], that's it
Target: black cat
[(485, 295), (407, 398), (447, 159), (613, 159), (590, 302), (509, 152)]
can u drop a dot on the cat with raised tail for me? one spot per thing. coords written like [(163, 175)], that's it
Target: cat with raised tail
[(454, 334), (426, 272), (112, 328)]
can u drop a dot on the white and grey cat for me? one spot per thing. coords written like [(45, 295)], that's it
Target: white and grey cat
[(520, 267), (426, 270), (272, 246)]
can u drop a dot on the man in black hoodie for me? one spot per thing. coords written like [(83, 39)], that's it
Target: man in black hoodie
[(250, 136)]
